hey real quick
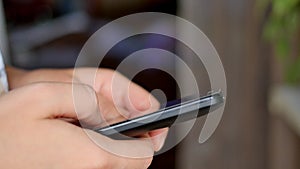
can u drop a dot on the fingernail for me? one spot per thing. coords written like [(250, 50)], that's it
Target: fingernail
[(159, 142), (144, 105)]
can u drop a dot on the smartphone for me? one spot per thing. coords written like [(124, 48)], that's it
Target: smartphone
[(174, 112)]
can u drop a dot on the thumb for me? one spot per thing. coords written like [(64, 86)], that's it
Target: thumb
[(60, 100)]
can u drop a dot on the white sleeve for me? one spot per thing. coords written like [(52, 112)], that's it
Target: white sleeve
[(3, 78)]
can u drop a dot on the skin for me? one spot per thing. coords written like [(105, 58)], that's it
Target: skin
[(34, 134)]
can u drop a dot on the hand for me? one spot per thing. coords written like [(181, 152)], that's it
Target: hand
[(130, 103), (33, 136)]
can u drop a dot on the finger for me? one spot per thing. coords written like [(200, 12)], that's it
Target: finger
[(122, 92), (117, 88), (129, 149), (76, 102), (60, 100), (103, 152), (140, 101), (158, 138), (111, 114), (85, 101)]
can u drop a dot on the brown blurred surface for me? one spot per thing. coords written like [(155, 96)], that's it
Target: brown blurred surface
[(284, 145), (240, 140)]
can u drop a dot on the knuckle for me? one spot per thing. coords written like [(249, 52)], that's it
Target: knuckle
[(85, 86), (46, 89)]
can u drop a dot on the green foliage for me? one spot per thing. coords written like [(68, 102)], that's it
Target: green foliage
[(282, 26), (293, 72)]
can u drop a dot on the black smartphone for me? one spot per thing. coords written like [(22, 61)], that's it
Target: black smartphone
[(174, 112)]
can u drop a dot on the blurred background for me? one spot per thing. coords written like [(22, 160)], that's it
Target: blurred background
[(258, 43)]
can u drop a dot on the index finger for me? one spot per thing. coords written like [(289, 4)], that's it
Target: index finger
[(117, 88), (124, 93)]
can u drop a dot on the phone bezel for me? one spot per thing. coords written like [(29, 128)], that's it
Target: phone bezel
[(164, 117)]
